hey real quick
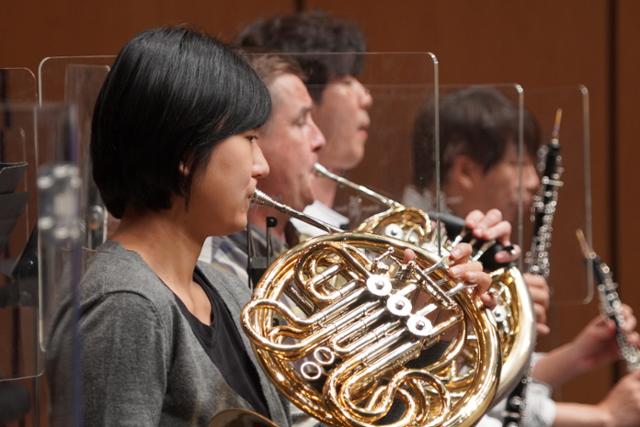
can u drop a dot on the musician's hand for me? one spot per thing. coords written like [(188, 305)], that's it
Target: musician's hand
[(622, 404), (408, 255), (463, 269), (620, 408), (539, 290), (629, 326), (491, 226), (596, 344)]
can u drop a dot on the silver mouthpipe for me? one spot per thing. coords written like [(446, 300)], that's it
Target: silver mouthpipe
[(261, 198), (377, 197)]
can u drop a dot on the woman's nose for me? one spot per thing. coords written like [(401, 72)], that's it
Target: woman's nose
[(260, 166)]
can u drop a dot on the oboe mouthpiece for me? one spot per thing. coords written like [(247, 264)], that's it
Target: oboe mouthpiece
[(584, 246), (556, 124)]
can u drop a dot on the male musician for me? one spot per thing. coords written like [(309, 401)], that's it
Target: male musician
[(340, 101), (479, 164), (480, 167)]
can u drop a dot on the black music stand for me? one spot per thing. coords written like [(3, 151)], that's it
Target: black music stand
[(22, 286)]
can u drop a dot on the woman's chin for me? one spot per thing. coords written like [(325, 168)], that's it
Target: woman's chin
[(240, 224), (232, 227)]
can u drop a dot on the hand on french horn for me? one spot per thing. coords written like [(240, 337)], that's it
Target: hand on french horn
[(491, 226), (464, 269)]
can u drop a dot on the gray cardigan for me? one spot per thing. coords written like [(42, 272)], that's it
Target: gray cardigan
[(141, 364)]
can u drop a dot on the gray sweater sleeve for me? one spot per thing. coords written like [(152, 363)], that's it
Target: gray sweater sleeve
[(124, 361)]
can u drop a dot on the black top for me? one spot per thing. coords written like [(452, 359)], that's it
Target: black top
[(222, 342)]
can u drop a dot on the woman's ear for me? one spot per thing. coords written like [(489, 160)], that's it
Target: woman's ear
[(465, 173), (184, 170)]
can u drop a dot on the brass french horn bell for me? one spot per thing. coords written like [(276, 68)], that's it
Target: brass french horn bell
[(355, 335), (514, 316)]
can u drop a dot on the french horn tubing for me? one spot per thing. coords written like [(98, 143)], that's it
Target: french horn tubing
[(514, 316), (355, 335)]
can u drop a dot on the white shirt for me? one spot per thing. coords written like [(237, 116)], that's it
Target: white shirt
[(319, 210)]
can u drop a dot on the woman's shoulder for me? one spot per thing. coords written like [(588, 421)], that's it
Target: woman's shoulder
[(114, 270)]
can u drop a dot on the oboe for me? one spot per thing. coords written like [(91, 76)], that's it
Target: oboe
[(610, 303), (537, 257)]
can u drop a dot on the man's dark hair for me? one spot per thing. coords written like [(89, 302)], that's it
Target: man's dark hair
[(477, 122), (170, 97), (308, 33)]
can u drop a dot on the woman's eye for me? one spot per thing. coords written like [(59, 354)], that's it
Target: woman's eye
[(252, 138)]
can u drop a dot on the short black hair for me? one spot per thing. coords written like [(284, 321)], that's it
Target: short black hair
[(477, 122), (308, 33), (172, 94)]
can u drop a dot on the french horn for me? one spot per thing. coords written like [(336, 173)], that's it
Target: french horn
[(355, 335), (514, 316)]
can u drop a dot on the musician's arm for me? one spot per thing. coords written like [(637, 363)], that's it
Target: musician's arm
[(124, 362), (620, 408), (594, 346)]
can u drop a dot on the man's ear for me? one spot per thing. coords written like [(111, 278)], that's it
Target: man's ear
[(464, 172)]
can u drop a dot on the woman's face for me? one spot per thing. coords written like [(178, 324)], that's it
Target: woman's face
[(221, 190)]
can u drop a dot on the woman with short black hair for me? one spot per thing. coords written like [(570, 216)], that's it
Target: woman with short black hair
[(174, 157)]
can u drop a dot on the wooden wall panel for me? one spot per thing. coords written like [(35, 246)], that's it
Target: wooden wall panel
[(627, 151), (33, 29)]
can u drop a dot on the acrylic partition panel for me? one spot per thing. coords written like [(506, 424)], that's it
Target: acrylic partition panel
[(19, 356), (57, 77), (476, 124), (366, 117), (19, 301), (40, 187), (76, 80), (61, 232)]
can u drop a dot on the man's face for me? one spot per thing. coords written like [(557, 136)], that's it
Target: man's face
[(290, 141), (499, 187), (343, 118)]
